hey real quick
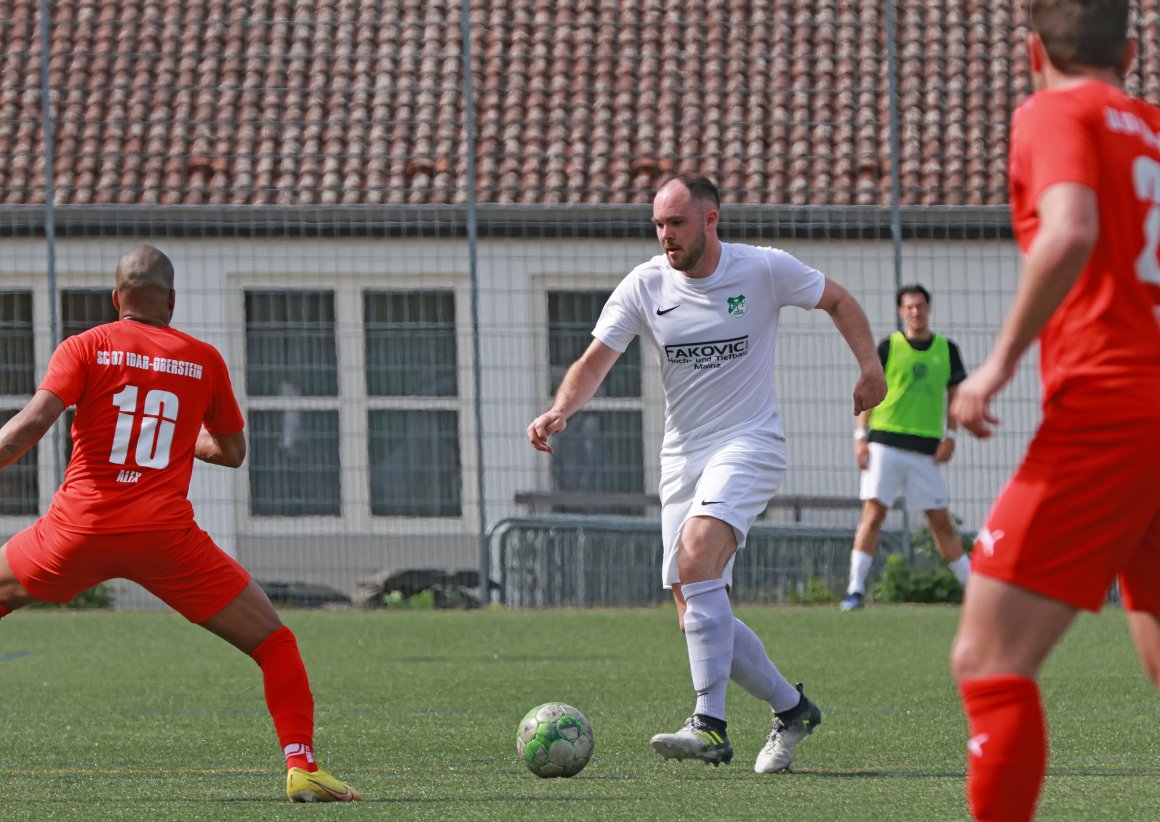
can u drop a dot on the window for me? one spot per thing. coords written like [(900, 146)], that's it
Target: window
[(410, 349), (17, 362), (602, 449), (290, 344), (80, 310), (571, 317), (85, 308), (410, 343), (291, 355), (19, 491), (415, 463), (382, 441), (294, 465), (18, 484)]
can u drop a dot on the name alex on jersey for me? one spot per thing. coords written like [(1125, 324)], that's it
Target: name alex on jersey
[(709, 354), (144, 362)]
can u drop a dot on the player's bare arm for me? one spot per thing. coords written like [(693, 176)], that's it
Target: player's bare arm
[(861, 445), (578, 386), (852, 324), (228, 450), (1069, 225), (28, 425), (946, 448)]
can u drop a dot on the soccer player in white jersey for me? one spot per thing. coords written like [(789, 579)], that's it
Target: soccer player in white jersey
[(709, 310)]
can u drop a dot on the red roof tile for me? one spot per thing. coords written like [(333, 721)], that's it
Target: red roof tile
[(206, 101)]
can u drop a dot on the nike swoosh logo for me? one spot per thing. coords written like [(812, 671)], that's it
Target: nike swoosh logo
[(341, 797), (663, 311), (712, 501)]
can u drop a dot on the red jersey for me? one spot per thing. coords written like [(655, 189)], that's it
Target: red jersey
[(142, 393), (1106, 329)]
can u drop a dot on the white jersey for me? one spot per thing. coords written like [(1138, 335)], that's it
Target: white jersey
[(714, 338)]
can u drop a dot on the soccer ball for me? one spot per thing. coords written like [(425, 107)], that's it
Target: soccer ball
[(554, 740)]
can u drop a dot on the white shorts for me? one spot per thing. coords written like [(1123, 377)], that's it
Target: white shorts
[(893, 472), (732, 482)]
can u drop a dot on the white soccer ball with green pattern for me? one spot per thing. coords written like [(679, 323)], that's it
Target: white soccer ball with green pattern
[(555, 740)]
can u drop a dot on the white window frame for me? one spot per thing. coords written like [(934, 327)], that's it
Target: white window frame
[(353, 405)]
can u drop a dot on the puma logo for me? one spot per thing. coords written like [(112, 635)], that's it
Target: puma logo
[(988, 538)]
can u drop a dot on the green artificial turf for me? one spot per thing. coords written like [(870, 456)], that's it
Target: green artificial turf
[(143, 716)]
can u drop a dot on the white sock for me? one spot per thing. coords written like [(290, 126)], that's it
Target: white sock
[(709, 636), (962, 569), (754, 671), (859, 569)]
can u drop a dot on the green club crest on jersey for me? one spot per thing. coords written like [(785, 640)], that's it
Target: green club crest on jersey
[(737, 306)]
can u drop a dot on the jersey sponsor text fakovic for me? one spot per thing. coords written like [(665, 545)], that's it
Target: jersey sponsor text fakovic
[(716, 353), (141, 393)]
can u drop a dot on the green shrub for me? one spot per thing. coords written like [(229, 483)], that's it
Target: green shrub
[(922, 542), (101, 595), (423, 600), (816, 591), (902, 582)]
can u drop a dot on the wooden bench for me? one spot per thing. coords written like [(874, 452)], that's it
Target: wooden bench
[(542, 502)]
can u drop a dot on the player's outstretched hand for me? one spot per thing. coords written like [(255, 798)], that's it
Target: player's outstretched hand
[(862, 454), (869, 390), (543, 426), (971, 405)]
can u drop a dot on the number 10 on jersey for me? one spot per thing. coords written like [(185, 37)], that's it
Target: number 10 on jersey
[(158, 421)]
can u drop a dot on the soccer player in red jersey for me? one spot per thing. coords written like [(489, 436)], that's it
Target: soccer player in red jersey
[(1083, 508), (149, 400)]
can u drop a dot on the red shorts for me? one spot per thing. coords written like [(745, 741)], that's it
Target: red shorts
[(184, 568), (1082, 509)]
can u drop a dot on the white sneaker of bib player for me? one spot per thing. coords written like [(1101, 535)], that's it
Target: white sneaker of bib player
[(789, 729)]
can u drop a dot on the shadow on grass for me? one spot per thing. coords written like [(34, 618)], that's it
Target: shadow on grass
[(1052, 773)]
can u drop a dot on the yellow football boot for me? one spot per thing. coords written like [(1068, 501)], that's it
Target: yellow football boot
[(303, 786)]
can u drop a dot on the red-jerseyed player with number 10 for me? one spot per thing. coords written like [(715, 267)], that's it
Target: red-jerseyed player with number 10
[(149, 400), (1083, 508)]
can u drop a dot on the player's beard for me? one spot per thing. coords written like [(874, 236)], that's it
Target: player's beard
[(686, 259), (918, 328)]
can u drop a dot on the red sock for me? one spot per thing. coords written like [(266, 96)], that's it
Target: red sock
[(288, 697), (1007, 751), (300, 755)]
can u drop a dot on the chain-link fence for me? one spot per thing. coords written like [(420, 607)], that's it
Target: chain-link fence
[(399, 256)]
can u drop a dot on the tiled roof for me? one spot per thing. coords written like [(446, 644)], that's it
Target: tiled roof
[(305, 102)]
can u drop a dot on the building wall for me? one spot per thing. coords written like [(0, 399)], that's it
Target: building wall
[(972, 283)]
